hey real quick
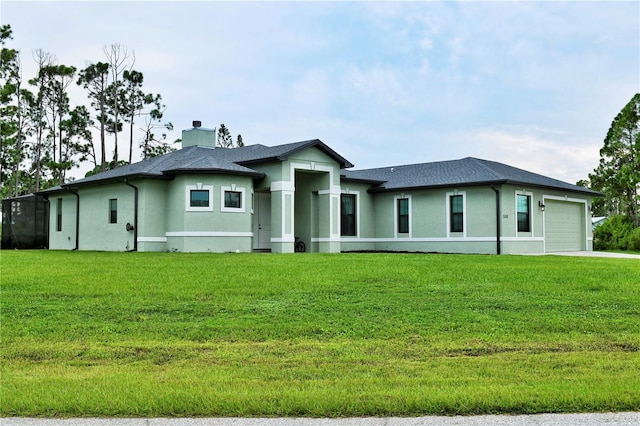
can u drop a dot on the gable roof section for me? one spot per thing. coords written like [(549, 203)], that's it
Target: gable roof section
[(467, 171), (251, 154)]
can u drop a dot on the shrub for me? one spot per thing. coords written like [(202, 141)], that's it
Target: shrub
[(616, 233), (634, 239)]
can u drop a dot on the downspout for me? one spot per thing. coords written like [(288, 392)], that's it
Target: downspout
[(497, 191), (75, 192), (47, 216), (135, 215)]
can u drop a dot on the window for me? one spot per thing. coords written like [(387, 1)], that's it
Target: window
[(524, 208), (113, 210), (232, 199), (456, 209), (348, 215), (59, 214), (199, 198), (403, 215)]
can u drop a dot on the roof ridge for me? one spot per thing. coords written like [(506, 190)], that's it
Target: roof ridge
[(486, 166)]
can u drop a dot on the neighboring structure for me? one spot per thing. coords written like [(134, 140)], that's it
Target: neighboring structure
[(597, 221), (203, 198)]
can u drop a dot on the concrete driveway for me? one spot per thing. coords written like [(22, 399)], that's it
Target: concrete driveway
[(592, 419), (596, 254)]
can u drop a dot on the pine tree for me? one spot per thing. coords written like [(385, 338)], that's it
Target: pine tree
[(618, 174)]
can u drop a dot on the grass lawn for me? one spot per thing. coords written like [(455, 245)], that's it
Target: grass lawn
[(168, 334)]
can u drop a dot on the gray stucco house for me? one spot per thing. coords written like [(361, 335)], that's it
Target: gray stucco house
[(257, 198)]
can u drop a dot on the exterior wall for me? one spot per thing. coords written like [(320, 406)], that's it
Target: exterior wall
[(96, 232), (429, 221), (214, 230), (66, 238), (366, 214), (152, 217)]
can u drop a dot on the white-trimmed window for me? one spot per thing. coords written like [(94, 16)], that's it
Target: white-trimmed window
[(402, 214), (349, 213), (233, 199), (456, 213), (199, 198), (523, 212)]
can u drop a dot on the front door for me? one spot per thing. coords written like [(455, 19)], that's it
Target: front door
[(262, 221)]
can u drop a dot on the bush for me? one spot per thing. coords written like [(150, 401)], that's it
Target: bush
[(616, 233), (634, 239)]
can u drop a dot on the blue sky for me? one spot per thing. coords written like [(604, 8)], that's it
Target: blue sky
[(531, 84)]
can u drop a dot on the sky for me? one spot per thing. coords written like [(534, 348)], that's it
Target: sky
[(534, 85)]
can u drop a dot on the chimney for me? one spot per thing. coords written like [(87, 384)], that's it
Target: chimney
[(199, 136)]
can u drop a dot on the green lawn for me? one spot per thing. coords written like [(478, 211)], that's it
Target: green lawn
[(168, 334)]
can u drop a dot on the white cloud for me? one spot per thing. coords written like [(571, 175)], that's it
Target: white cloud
[(382, 82)]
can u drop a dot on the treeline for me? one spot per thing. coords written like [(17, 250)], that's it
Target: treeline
[(618, 178), (43, 136)]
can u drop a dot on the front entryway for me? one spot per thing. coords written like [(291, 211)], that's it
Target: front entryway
[(262, 221)]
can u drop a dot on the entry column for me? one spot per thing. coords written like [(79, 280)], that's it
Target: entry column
[(329, 220)]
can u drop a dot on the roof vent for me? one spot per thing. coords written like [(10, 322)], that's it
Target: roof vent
[(197, 123)]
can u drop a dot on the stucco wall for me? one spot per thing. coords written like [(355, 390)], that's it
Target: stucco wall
[(429, 230), (215, 229), (65, 239), (96, 232)]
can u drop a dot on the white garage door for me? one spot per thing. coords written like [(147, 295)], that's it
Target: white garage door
[(564, 226)]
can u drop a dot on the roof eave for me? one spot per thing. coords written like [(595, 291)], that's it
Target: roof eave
[(584, 191), (362, 180), (115, 179), (440, 186)]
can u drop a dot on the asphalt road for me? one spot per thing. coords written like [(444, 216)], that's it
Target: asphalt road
[(593, 419)]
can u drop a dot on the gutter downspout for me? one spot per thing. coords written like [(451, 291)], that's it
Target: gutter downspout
[(75, 192), (497, 191), (135, 215), (47, 216)]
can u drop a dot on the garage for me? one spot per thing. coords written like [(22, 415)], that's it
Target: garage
[(564, 226)]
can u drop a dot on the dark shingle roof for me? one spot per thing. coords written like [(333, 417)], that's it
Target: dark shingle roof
[(467, 171), (200, 159), (260, 153), (187, 160)]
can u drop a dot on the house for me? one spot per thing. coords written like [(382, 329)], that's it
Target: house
[(203, 198)]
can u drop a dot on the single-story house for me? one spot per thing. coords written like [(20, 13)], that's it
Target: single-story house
[(203, 198)]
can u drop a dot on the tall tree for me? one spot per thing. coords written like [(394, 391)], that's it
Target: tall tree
[(618, 174), (11, 113), (117, 57), (56, 110), (224, 138), (239, 142), (133, 101), (39, 148), (95, 79), (77, 143), (152, 145)]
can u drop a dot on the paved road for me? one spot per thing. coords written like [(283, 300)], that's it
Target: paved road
[(610, 419)]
